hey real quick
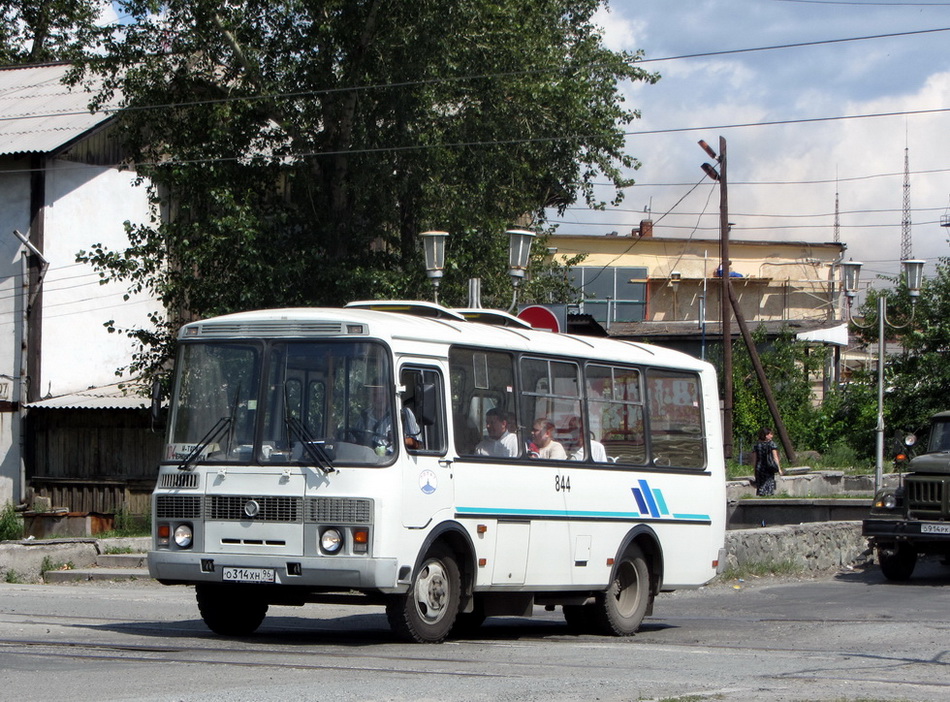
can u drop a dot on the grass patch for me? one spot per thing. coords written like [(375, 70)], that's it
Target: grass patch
[(49, 564), (13, 578), (759, 569), (114, 550), (125, 533), (127, 524)]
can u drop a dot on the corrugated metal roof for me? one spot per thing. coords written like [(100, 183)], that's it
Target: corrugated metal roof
[(38, 114), (117, 396)]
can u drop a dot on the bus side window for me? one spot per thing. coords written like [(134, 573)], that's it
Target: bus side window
[(422, 410), (676, 420), (551, 396), (615, 405), (481, 380)]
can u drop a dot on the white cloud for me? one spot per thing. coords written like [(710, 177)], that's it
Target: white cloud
[(897, 74)]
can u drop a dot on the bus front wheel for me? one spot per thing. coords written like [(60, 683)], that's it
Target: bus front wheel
[(428, 610), (230, 610), (620, 609)]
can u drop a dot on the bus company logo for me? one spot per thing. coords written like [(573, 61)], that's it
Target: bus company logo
[(650, 500), (428, 482)]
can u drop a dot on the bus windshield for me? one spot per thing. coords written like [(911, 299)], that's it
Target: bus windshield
[(254, 402)]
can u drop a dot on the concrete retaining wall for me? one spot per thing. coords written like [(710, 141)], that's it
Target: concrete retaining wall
[(811, 547)]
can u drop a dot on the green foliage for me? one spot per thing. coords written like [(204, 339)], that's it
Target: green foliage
[(790, 367), (117, 550), (49, 564), (127, 524), (12, 577), (40, 31), (11, 526), (760, 569), (917, 377), (300, 149)]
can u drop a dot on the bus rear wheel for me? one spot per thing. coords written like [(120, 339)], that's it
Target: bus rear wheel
[(427, 612), (620, 609), (230, 610)]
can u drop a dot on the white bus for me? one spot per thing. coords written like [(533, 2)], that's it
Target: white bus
[(388, 453)]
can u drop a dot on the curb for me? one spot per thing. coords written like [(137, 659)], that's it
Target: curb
[(26, 561)]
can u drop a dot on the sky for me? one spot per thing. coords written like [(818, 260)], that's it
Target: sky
[(783, 177)]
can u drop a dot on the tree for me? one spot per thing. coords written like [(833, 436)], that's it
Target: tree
[(917, 378), (40, 31), (790, 366), (297, 149)]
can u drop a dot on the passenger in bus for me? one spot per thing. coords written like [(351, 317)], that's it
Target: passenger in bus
[(542, 438), (502, 442), (575, 428)]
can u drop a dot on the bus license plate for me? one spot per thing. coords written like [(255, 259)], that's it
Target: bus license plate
[(935, 528), (249, 575)]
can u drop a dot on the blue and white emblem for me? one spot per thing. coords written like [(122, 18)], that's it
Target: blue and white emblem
[(428, 482)]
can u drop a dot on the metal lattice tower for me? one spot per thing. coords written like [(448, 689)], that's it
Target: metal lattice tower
[(837, 238), (906, 245)]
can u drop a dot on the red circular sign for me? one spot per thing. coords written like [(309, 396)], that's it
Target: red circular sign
[(540, 317)]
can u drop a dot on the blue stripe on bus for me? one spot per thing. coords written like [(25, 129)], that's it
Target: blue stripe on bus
[(513, 512), (658, 494), (639, 498), (648, 496)]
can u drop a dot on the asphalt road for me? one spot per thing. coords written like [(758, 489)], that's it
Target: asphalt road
[(847, 636)]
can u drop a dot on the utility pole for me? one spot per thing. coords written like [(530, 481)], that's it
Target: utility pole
[(724, 295), (730, 303)]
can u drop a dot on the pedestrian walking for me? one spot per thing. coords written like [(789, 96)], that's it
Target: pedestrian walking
[(767, 463)]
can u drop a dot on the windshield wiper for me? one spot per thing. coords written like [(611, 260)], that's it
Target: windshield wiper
[(217, 430), (315, 449)]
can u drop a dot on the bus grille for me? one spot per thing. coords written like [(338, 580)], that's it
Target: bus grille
[(340, 510), (178, 507), (178, 480), (271, 509), (926, 497)]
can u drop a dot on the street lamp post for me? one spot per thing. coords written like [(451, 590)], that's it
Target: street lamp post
[(519, 253), (434, 244), (913, 274)]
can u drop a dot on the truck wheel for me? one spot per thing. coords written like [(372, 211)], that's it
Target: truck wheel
[(898, 565), (230, 610), (426, 613)]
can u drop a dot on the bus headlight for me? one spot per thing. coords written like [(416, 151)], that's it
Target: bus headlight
[(183, 536), (331, 540)]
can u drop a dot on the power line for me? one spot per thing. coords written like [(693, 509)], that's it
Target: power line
[(482, 76)]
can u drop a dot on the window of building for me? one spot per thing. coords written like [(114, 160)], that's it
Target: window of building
[(608, 295)]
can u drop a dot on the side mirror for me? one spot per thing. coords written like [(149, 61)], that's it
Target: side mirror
[(157, 413)]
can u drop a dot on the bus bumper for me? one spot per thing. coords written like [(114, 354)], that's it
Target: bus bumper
[(357, 573)]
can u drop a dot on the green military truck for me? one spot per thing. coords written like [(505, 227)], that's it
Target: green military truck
[(913, 519)]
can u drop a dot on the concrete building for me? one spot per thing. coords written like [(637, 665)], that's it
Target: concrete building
[(62, 191), (668, 289)]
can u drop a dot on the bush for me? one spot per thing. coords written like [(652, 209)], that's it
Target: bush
[(11, 526)]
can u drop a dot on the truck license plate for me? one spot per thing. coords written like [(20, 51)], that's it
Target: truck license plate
[(935, 528), (248, 575)]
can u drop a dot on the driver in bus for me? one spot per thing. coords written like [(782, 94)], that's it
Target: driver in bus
[(501, 441), (374, 424)]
